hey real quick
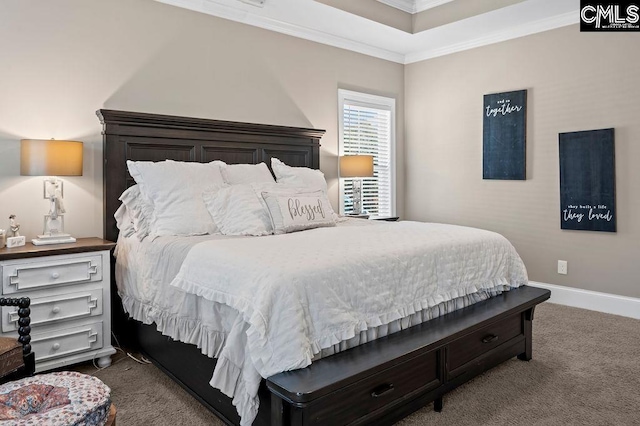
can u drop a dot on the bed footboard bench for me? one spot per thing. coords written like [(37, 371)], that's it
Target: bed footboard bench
[(387, 379)]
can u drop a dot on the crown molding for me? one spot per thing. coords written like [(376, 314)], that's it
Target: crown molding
[(246, 17), (509, 34), (324, 38), (257, 3), (414, 6), (408, 6), (379, 41), (422, 5)]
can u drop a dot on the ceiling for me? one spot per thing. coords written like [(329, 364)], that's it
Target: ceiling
[(327, 22)]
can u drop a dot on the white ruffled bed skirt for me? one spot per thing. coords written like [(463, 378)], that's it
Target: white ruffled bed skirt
[(228, 377)]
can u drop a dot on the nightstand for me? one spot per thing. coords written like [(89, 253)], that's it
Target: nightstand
[(69, 288)]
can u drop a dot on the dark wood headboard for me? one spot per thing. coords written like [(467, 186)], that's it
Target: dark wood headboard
[(152, 137)]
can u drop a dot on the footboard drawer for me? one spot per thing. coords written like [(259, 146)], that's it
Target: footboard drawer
[(377, 391), (477, 343), (382, 381)]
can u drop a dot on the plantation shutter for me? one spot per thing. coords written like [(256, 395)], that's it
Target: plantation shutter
[(367, 129)]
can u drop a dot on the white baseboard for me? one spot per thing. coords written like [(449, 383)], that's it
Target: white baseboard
[(592, 300)]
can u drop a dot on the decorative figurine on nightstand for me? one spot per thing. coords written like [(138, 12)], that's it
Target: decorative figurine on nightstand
[(14, 239), (14, 227)]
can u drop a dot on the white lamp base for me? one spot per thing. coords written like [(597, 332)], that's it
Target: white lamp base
[(357, 197), (43, 240)]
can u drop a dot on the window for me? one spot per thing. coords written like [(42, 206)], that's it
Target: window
[(367, 126)]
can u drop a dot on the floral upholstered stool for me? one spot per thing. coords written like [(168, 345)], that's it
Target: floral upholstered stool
[(66, 398)]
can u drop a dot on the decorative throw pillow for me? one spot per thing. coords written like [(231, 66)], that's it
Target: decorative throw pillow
[(124, 221), (175, 190), (235, 174), (298, 176), (238, 210), (294, 210), (135, 214)]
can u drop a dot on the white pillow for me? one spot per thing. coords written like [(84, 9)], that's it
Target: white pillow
[(235, 174), (296, 210), (238, 210), (135, 214), (124, 221), (175, 190), (298, 176)]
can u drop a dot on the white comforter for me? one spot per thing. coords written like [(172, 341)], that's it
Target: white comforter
[(300, 293)]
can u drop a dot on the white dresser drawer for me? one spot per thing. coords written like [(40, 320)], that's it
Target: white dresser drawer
[(67, 341), (47, 310), (21, 276)]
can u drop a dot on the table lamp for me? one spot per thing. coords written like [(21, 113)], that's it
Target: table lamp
[(40, 157), (356, 167)]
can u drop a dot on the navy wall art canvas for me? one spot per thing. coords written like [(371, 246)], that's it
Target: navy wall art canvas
[(504, 136), (588, 181)]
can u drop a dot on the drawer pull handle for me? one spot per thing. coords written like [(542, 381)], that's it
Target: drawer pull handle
[(55, 346), (55, 310), (382, 390), (490, 338), (55, 275), (13, 279), (93, 303)]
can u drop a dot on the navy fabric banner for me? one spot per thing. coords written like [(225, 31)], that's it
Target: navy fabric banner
[(504, 136), (588, 181)]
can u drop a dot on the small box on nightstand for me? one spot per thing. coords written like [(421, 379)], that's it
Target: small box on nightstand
[(13, 242)]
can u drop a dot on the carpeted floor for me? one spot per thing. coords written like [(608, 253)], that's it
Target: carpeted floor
[(585, 371)]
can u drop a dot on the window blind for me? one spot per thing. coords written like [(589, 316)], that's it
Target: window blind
[(367, 129)]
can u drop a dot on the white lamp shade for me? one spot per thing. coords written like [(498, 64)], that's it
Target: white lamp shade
[(356, 166), (42, 157)]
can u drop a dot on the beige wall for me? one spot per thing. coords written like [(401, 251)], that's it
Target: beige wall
[(575, 81), (64, 59)]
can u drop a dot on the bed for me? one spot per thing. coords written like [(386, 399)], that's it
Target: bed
[(435, 356)]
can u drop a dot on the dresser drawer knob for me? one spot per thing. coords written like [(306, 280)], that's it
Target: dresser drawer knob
[(55, 310), (55, 346), (382, 390), (55, 275), (490, 338)]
